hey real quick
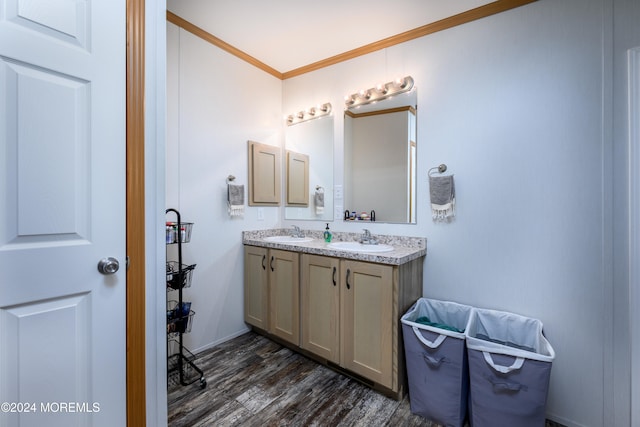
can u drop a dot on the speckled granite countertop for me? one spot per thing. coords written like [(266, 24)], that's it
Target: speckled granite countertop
[(405, 248)]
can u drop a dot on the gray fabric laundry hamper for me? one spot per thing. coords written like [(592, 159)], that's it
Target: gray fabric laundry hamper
[(509, 369), (436, 361)]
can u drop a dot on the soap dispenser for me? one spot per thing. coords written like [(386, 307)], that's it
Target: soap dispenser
[(327, 234)]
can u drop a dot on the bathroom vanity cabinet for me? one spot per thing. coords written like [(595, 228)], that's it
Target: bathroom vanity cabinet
[(347, 315), (346, 312), (271, 292)]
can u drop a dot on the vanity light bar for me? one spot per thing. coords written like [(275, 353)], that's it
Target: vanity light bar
[(380, 92), (310, 114)]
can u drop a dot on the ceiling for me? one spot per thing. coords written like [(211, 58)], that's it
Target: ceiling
[(289, 34)]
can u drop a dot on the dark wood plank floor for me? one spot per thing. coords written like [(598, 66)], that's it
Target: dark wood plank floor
[(252, 381)]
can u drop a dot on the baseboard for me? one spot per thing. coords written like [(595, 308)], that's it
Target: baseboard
[(220, 341)]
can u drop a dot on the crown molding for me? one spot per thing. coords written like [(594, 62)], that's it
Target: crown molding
[(434, 27)]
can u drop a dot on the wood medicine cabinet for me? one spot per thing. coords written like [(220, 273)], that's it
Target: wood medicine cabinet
[(264, 174)]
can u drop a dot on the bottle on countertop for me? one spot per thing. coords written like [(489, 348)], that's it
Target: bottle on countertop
[(327, 234)]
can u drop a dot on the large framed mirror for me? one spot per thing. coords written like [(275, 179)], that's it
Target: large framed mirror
[(314, 140), (380, 144)]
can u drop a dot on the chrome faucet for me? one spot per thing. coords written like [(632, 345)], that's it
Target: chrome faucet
[(297, 232), (367, 238)]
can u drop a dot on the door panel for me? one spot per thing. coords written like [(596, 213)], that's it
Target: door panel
[(33, 336), (284, 295), (62, 209), (60, 20), (320, 306), (256, 289), (48, 155), (367, 320)]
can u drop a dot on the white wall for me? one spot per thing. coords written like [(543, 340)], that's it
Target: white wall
[(513, 105), (520, 107), (155, 137), (216, 103), (626, 35)]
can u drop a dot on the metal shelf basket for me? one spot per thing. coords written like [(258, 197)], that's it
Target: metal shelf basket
[(179, 318), (178, 278), (172, 232)]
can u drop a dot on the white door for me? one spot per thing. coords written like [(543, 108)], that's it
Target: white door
[(62, 209)]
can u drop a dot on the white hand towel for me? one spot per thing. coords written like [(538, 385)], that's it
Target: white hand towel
[(235, 199), (443, 197), (318, 200)]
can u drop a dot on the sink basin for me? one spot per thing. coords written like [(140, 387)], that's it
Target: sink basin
[(359, 247), (287, 239)]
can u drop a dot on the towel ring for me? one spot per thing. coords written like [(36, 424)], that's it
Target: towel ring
[(230, 178), (319, 188), (442, 168)]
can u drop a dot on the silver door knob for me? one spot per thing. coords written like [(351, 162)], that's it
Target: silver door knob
[(108, 265)]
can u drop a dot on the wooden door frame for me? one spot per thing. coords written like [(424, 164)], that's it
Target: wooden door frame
[(135, 214)]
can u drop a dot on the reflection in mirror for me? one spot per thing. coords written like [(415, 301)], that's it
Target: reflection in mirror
[(380, 160), (297, 184), (314, 139)]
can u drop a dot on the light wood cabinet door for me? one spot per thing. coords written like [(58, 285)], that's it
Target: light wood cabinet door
[(264, 174), (284, 295), (256, 286), (320, 301), (366, 317)]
